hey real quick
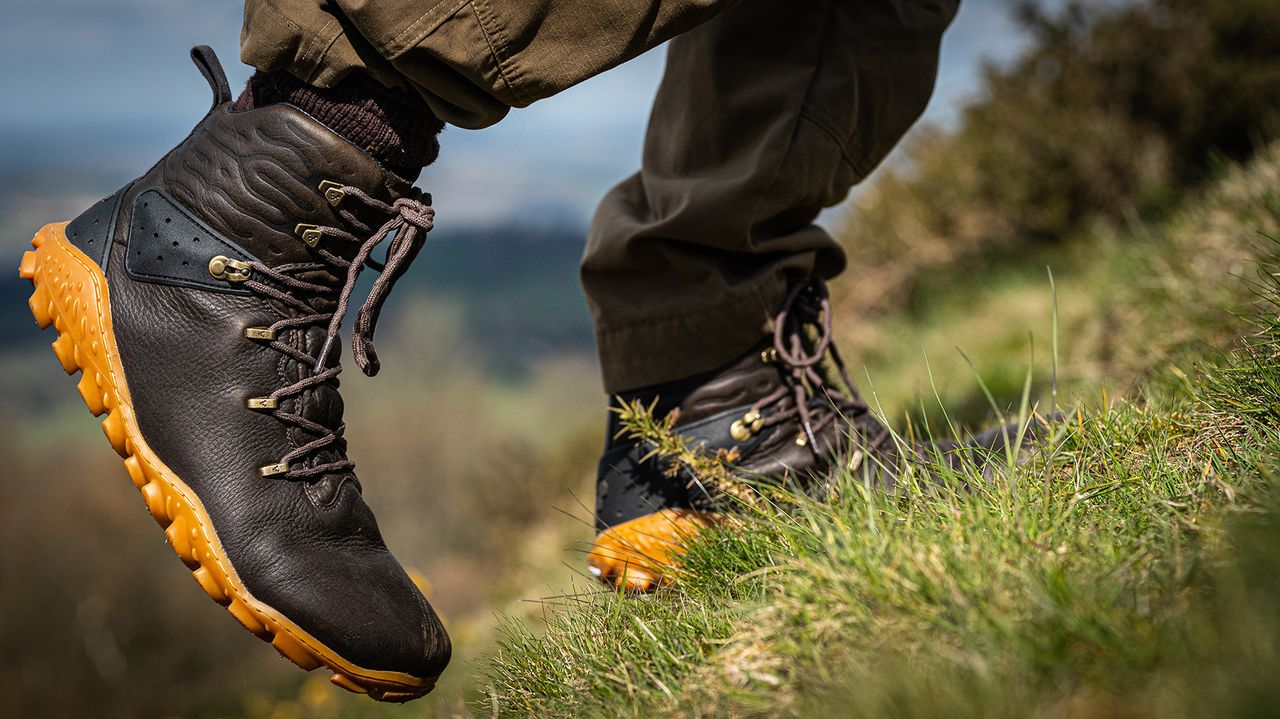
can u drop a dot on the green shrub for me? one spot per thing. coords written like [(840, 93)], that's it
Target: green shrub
[(1114, 113)]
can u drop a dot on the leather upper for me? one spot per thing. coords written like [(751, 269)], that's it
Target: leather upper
[(238, 186), (631, 483)]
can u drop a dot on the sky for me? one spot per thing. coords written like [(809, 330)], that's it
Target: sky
[(106, 85)]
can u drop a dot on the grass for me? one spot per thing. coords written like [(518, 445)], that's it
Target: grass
[(1128, 567)]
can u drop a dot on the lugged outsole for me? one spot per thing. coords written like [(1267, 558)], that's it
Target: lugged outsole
[(644, 553), (70, 293)]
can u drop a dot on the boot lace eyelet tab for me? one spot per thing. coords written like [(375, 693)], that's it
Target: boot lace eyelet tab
[(260, 333), (225, 268), (333, 192), (310, 234), (274, 470), (262, 403)]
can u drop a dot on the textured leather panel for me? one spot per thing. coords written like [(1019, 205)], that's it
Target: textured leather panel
[(312, 551), (254, 176), (167, 243), (740, 384), (91, 232)]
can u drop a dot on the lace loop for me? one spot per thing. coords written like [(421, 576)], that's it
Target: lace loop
[(411, 220), (802, 338)]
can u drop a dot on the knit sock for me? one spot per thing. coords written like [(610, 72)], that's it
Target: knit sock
[(395, 127)]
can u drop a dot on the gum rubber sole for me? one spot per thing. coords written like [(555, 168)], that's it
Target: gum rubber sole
[(643, 554), (71, 294)]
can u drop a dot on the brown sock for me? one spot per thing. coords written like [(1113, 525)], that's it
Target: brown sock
[(395, 127)]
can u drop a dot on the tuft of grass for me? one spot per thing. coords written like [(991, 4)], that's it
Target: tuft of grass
[(1126, 567)]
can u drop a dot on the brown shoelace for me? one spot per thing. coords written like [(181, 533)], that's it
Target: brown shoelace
[(802, 339), (409, 219)]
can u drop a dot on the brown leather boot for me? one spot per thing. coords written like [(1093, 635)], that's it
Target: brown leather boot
[(201, 304), (784, 410)]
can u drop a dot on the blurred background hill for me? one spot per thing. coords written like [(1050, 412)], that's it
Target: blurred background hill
[(1052, 120)]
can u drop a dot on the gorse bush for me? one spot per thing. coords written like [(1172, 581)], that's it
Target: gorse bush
[(1115, 112)]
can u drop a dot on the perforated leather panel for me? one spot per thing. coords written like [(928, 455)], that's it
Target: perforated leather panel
[(91, 232), (168, 244), (631, 483)]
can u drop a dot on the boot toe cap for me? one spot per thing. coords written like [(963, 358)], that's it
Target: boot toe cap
[(365, 611)]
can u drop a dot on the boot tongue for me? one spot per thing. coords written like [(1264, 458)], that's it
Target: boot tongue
[(396, 216), (323, 405), (331, 275), (744, 381)]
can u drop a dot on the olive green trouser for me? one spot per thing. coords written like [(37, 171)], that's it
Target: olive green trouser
[(769, 111)]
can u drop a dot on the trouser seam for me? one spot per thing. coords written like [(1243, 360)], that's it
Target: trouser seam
[(497, 40), (317, 45), (306, 55), (835, 138), (397, 45), (285, 18), (328, 46), (804, 102)]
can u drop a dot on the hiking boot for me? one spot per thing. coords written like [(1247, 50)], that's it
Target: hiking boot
[(785, 410), (201, 304)]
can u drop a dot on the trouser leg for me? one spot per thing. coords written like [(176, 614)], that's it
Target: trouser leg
[(471, 60), (766, 114)]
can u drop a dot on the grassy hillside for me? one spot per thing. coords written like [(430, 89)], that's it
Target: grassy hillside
[(1126, 568), (1095, 233)]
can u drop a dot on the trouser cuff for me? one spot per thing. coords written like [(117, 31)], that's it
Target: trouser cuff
[(674, 346)]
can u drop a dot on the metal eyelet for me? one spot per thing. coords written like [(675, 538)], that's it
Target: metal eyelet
[(743, 429), (260, 333), (333, 192), (225, 268), (273, 470), (310, 234), (262, 403)]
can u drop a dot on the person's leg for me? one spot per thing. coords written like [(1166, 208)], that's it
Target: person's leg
[(469, 60), (766, 114)]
